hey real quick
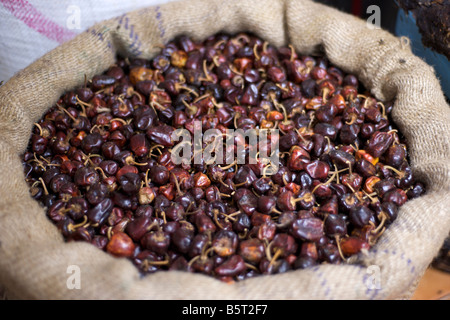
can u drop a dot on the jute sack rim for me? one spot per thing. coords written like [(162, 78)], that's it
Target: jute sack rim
[(106, 277)]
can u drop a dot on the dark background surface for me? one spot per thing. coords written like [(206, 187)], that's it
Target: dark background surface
[(429, 50), (358, 8)]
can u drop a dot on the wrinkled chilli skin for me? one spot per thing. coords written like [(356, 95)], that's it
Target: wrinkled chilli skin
[(100, 161)]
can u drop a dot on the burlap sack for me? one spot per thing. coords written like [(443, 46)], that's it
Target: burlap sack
[(34, 259)]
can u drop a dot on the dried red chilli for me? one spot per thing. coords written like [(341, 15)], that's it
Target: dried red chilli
[(100, 161)]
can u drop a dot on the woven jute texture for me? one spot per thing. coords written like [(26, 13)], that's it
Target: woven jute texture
[(34, 258)]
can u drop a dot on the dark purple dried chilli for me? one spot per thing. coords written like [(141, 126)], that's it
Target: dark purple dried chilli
[(99, 160)]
